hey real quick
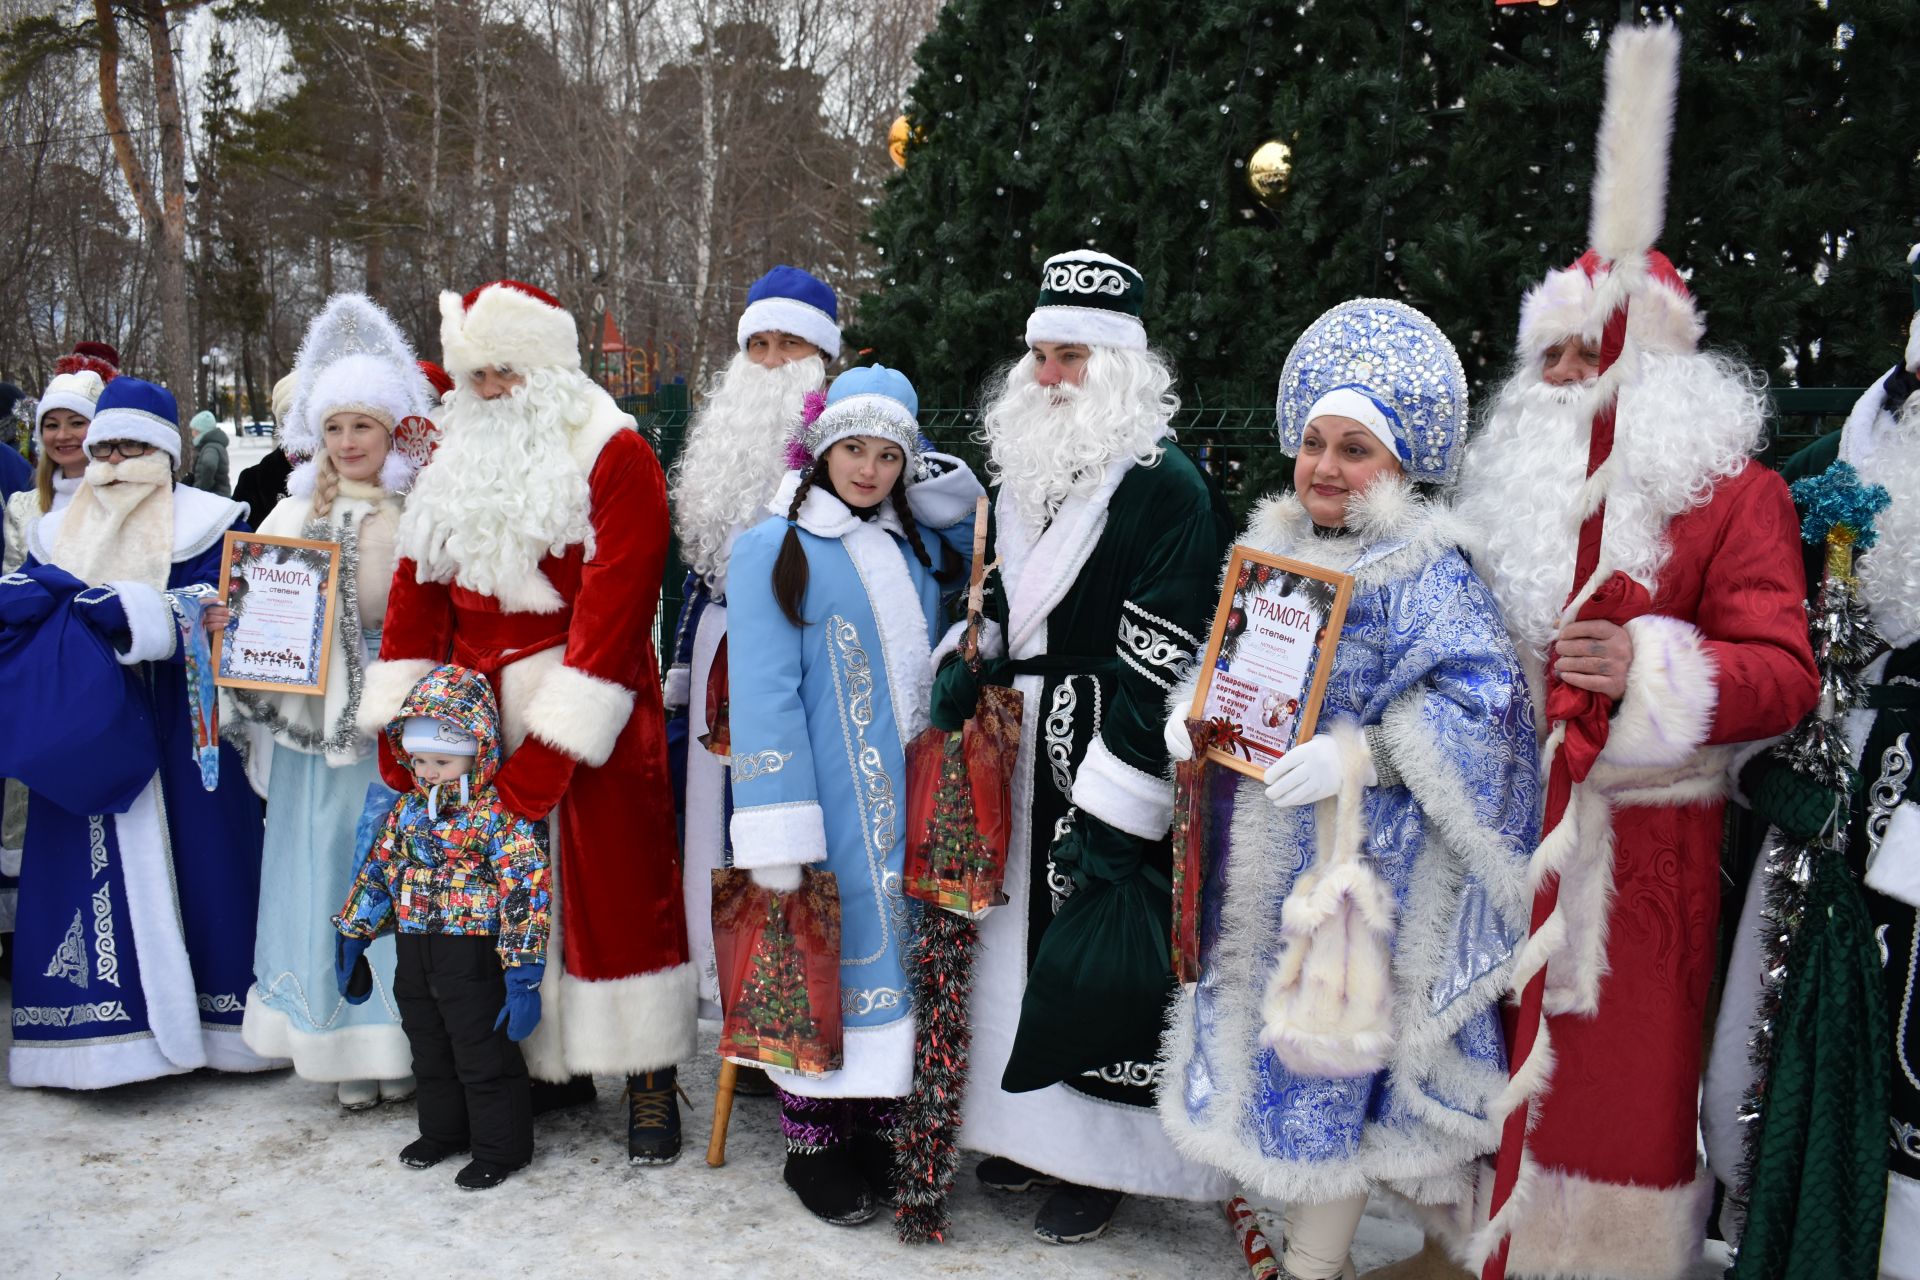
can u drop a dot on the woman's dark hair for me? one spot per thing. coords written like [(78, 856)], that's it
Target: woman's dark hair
[(790, 572)]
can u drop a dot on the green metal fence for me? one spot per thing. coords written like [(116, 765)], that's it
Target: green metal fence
[(1231, 438)]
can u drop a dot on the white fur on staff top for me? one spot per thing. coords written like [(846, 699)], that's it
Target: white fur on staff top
[(1631, 157)]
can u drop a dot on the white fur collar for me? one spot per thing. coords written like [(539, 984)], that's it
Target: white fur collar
[(824, 515), (1039, 567), (199, 520), (606, 421), (1390, 532)]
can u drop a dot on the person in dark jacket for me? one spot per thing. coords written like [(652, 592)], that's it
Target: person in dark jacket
[(262, 485), (209, 454)]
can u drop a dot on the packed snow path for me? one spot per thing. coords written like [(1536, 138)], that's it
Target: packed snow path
[(207, 1175)]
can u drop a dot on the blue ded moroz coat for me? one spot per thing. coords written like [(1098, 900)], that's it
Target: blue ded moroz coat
[(820, 720), (133, 951), (1425, 685)]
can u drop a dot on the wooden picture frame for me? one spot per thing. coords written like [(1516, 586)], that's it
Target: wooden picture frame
[(1256, 643), (299, 643)]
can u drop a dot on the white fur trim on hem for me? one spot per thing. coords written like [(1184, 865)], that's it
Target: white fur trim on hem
[(628, 1025), (92, 1066), (228, 1051), (790, 315), (153, 908), (878, 1063), (1671, 694), (359, 1052), (774, 835), (579, 714), (1114, 791), (149, 623), (1091, 326), (1573, 1228), (385, 691)]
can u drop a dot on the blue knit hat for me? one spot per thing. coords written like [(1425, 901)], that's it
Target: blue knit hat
[(130, 409), (869, 401), (788, 300)]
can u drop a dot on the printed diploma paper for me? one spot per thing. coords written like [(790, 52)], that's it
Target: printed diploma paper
[(282, 594)]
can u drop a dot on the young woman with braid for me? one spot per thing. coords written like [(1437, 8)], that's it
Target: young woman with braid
[(834, 604), (356, 384)]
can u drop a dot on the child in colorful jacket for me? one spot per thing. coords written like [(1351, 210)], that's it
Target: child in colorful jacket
[(463, 881)]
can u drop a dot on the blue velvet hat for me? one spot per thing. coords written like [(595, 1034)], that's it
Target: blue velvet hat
[(130, 409), (788, 300)]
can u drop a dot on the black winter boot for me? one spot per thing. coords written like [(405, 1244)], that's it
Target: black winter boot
[(830, 1184), (547, 1096), (1074, 1213), (424, 1153), (653, 1117), (482, 1176)]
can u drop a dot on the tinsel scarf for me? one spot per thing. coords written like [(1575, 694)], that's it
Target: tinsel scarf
[(927, 1138), (1815, 1171)]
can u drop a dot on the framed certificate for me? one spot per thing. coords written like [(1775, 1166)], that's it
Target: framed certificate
[(282, 592), (1268, 656)]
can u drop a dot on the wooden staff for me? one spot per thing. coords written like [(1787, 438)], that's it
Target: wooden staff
[(722, 1113)]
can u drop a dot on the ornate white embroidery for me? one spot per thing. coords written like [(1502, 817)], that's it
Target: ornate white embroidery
[(106, 962), (759, 764), (856, 717), (1059, 884), (73, 1016), (892, 886), (70, 957), (1896, 766), (97, 843), (855, 1002), (221, 1003), (1085, 277), (1059, 733), (1193, 641), (1140, 1075), (1141, 644)]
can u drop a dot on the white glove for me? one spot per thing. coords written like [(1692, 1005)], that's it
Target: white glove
[(1179, 741), (1310, 773), (781, 878)]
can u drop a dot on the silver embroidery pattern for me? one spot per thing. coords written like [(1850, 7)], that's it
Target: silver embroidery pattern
[(1059, 735), (1906, 1005), (856, 1002), (72, 1016), (892, 891), (70, 957), (97, 844), (759, 764), (1059, 884), (1139, 1075), (1896, 766), (1152, 652), (106, 961), (856, 717), (222, 1003)]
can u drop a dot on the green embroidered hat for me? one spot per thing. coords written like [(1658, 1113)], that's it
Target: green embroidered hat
[(1090, 297)]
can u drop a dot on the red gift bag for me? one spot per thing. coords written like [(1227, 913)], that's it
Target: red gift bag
[(1190, 790), (719, 735), (960, 807), (779, 960)]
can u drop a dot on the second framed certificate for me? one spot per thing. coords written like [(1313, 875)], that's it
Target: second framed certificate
[(282, 592), (1268, 656)]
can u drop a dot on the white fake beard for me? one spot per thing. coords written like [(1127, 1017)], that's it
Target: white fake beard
[(735, 455), (120, 532), (1685, 422), (1047, 444), (1890, 569), (503, 491)]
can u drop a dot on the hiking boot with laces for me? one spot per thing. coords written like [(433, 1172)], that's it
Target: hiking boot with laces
[(653, 1117)]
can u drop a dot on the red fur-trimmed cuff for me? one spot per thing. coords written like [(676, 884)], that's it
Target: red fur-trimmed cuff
[(579, 714), (1671, 694), (385, 689)]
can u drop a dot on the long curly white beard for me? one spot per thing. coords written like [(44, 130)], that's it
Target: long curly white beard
[(1890, 569), (1685, 423), (1047, 444), (120, 532), (735, 455), (503, 491)]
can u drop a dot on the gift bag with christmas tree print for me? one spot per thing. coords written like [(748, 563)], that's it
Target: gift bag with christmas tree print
[(779, 960)]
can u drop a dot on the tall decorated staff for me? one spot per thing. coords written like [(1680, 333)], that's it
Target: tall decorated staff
[(1816, 1110), (1629, 208)]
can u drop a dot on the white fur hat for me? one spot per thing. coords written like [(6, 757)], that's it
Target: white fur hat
[(355, 358), (1661, 317), (78, 392), (507, 324)]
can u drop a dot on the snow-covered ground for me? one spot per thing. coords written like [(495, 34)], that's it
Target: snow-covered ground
[(210, 1176)]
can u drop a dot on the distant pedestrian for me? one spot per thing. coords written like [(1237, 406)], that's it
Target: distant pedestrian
[(209, 454)]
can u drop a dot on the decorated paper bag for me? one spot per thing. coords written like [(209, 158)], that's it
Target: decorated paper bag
[(779, 960), (960, 807), (1191, 787)]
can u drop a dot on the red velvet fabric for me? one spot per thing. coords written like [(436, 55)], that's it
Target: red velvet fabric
[(1622, 1104), (619, 883)]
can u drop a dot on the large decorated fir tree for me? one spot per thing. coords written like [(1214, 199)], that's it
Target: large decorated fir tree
[(1440, 153)]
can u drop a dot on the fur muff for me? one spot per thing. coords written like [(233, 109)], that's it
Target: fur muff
[(1328, 1008)]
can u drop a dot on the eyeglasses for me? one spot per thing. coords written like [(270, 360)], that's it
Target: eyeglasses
[(125, 448)]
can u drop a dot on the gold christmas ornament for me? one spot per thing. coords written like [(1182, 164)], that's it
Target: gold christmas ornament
[(1269, 171), (897, 141)]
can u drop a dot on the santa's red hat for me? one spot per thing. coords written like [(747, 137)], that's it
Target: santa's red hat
[(439, 379), (1570, 301), (506, 324), (90, 357)]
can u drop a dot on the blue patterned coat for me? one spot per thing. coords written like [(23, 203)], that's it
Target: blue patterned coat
[(1425, 658)]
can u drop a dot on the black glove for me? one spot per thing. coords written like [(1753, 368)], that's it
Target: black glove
[(956, 691)]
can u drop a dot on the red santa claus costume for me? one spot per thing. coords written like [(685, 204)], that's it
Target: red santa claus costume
[(1612, 1184), (531, 550)]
